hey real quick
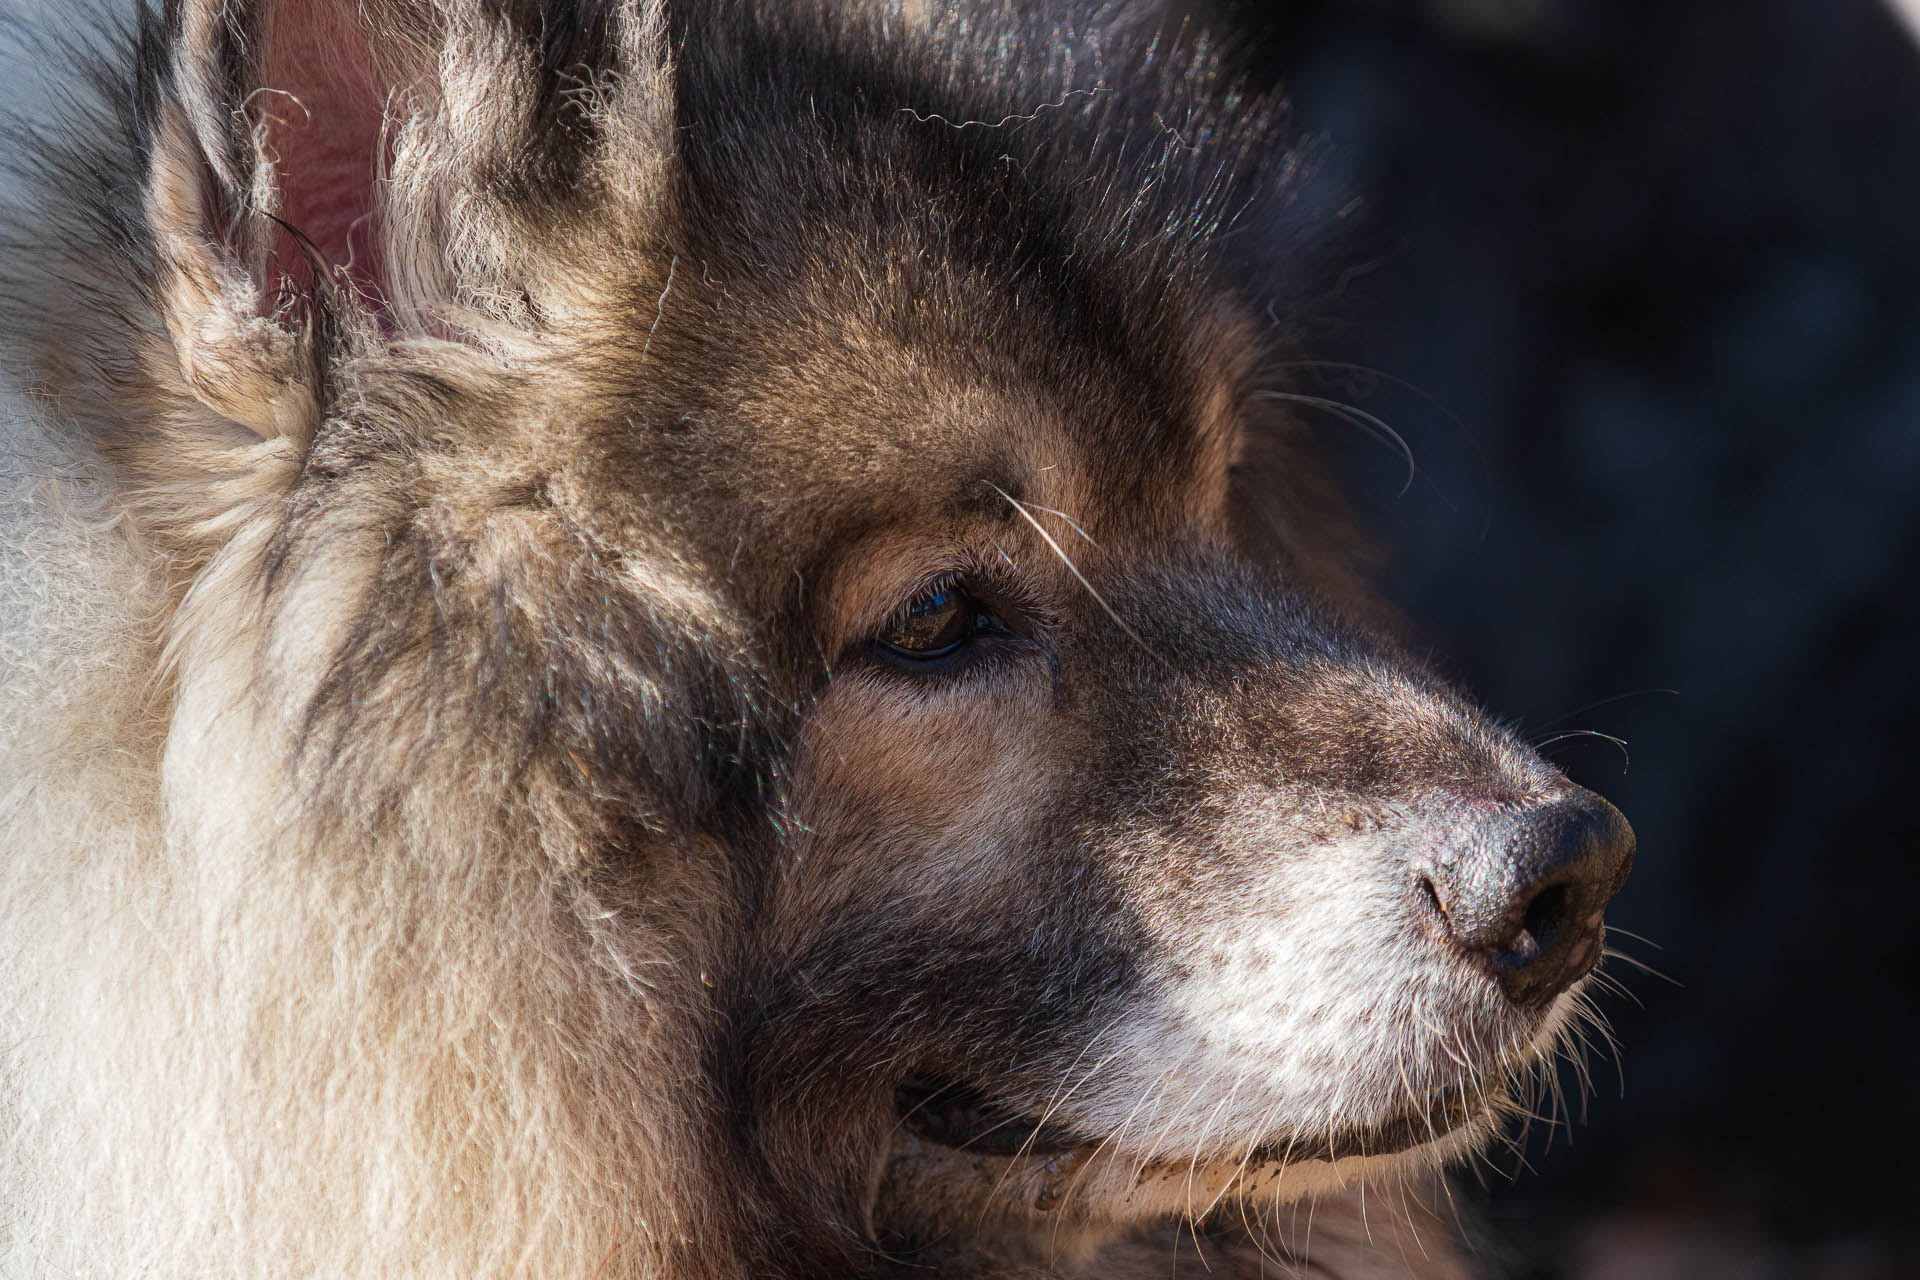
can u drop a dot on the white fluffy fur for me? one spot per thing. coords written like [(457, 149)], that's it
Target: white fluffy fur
[(429, 1053), (81, 860), (154, 916)]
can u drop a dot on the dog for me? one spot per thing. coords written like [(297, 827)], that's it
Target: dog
[(701, 640)]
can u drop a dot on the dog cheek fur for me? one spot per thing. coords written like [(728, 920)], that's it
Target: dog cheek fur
[(919, 912)]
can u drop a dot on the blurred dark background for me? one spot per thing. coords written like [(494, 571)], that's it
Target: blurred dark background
[(1654, 270)]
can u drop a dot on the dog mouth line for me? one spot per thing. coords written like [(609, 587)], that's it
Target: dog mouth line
[(967, 1119)]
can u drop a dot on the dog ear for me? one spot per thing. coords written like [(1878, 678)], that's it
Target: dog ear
[(323, 177), (260, 133)]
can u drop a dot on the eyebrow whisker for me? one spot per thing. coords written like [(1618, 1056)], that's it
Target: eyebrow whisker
[(1055, 511), (1075, 571)]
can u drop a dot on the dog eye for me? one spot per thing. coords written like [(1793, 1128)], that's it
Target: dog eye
[(934, 626)]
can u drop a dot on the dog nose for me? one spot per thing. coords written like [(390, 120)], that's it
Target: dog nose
[(1523, 895)]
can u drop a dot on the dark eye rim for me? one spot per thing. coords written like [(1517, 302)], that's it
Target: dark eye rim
[(987, 618)]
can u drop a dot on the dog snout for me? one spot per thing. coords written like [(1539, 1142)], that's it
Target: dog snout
[(1523, 895)]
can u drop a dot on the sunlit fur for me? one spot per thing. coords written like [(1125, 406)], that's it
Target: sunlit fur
[(454, 819)]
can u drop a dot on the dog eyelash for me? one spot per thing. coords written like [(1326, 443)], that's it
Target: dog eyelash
[(936, 624), (944, 625), (936, 628)]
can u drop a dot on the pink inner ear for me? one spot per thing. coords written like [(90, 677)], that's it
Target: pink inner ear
[(323, 103)]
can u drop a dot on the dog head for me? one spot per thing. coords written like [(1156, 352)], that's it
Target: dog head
[(773, 527)]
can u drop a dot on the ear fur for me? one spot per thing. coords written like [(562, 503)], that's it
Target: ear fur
[(313, 181)]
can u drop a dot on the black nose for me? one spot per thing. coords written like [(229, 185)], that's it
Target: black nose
[(1523, 895)]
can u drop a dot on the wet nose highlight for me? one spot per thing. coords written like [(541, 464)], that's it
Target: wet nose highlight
[(1523, 895)]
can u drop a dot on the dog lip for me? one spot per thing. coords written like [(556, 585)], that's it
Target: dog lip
[(1403, 1133), (1447, 1109), (965, 1119)]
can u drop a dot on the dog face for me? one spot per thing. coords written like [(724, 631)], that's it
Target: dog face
[(1130, 883), (812, 541)]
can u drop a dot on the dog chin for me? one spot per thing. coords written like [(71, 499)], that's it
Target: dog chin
[(955, 1148), (966, 1151)]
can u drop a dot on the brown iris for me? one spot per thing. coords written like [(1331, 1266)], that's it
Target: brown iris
[(934, 625)]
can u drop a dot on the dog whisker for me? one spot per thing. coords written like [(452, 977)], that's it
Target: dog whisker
[(1626, 760), (1079, 577), (1372, 424)]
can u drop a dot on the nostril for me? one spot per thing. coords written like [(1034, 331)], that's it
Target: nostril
[(1544, 916), (1432, 896), (1538, 931)]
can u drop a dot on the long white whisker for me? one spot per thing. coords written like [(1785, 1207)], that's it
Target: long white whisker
[(1626, 760), (1641, 965), (1606, 702), (1055, 511), (1059, 1098), (1372, 424), (1074, 569)]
